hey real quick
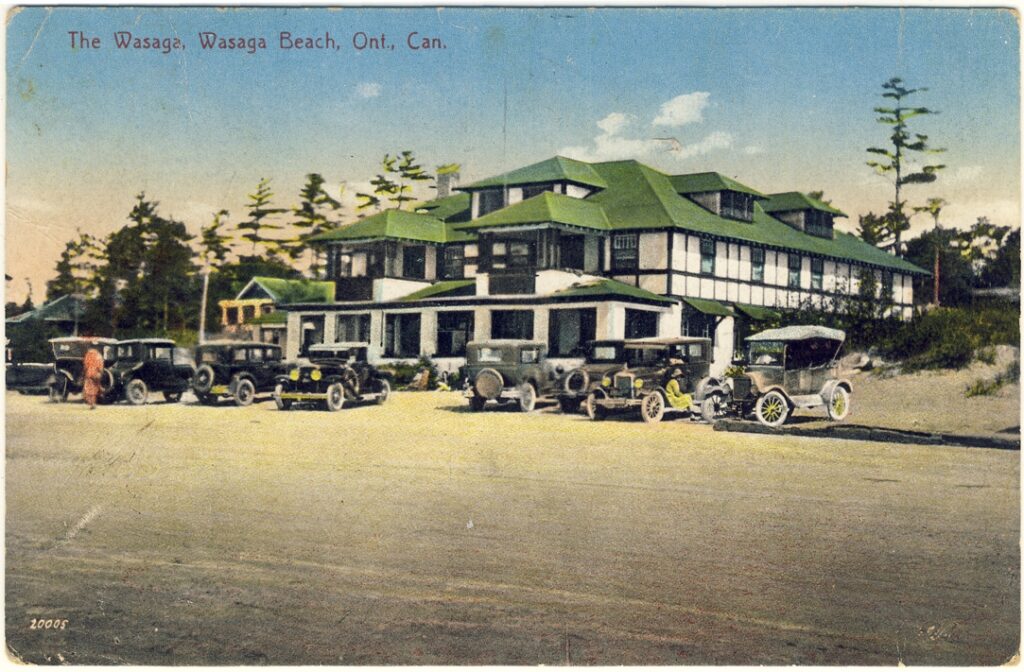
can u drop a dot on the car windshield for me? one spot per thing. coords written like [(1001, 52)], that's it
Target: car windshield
[(695, 350), (604, 353), (766, 353), (490, 355), (645, 356), (70, 349)]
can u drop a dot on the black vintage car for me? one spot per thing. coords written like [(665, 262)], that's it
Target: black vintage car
[(239, 370), (602, 359), (334, 374), (790, 368), (151, 365), (68, 353), (26, 377), (659, 375), (507, 371)]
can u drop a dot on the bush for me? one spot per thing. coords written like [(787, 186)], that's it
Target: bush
[(987, 387), (403, 372), (949, 337)]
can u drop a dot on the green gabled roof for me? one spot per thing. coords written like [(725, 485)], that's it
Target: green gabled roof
[(396, 224), (447, 207), (543, 208), (696, 183), (794, 200), (295, 291), (555, 169), (609, 287), (61, 309), (711, 307), (443, 289)]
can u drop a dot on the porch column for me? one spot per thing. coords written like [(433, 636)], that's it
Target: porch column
[(428, 333), (481, 324), (541, 319)]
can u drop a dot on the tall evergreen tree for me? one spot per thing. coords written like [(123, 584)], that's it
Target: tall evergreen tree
[(214, 245), (395, 181), (258, 224), (76, 268), (317, 213)]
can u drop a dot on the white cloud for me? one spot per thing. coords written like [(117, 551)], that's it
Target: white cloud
[(615, 122), (687, 108), (713, 141), (753, 149), (368, 90)]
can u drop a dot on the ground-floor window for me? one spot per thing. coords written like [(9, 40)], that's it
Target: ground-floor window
[(641, 323), (570, 330), (515, 324), (454, 330), (352, 329), (698, 324), (312, 331), (402, 335)]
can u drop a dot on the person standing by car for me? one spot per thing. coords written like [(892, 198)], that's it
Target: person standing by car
[(92, 376)]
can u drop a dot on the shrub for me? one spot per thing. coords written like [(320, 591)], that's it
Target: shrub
[(987, 355), (403, 372), (989, 386)]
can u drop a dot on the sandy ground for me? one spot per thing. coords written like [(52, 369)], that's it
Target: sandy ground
[(416, 532)]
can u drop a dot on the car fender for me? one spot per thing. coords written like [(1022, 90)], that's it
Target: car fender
[(775, 388), (235, 379), (708, 386), (62, 372), (833, 383)]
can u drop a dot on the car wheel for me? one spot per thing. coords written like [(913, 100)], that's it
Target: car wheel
[(58, 392), (106, 382), (335, 397), (839, 403), (593, 411), (527, 397), (772, 409), (569, 406), (245, 392), (385, 391), (136, 392), (172, 397), (282, 404), (203, 381), (652, 407), (712, 408), (477, 403)]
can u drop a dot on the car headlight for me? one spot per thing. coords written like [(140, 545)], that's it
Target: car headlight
[(638, 383), (316, 374), (606, 382), (293, 374)]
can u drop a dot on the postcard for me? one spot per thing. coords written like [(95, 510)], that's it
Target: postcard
[(512, 336)]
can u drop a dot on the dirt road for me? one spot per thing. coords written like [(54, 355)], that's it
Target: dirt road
[(416, 532)]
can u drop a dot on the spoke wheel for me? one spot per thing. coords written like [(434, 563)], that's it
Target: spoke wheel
[(594, 412), (772, 409), (282, 404), (136, 392), (712, 408), (335, 397), (652, 407), (245, 392), (839, 403), (385, 391), (527, 397)]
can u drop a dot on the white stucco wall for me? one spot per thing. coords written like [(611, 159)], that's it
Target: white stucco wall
[(653, 250), (389, 289)]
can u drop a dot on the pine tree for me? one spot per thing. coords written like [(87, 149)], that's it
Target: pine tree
[(257, 225), (214, 245), (317, 213), (395, 182)]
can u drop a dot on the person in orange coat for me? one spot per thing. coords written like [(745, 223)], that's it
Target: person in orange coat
[(92, 376)]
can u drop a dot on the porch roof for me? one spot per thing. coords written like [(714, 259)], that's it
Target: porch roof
[(398, 225), (445, 288), (759, 313), (612, 288), (710, 307)]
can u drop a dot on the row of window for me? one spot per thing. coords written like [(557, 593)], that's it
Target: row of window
[(232, 314)]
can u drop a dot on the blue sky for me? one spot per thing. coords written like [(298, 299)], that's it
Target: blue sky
[(780, 99)]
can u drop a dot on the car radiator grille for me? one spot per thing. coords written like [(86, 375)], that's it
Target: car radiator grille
[(624, 384), (741, 387)]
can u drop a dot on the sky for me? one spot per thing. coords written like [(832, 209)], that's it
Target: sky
[(780, 99)]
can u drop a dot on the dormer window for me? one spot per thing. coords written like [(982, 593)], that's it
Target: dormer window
[(531, 190), (818, 223), (737, 205), (491, 200)]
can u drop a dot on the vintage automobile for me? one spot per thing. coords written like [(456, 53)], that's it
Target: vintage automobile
[(602, 359), (147, 365), (789, 368), (334, 374), (26, 377), (239, 370), (659, 375), (66, 377), (508, 371)]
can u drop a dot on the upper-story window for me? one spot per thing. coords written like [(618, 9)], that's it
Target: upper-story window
[(414, 262), (454, 262), (794, 270), (817, 273), (707, 257), (625, 255), (757, 264), (490, 200), (886, 284), (511, 254), (818, 223), (531, 190), (344, 265), (737, 205)]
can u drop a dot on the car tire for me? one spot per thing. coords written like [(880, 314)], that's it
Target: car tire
[(772, 409), (172, 397), (136, 392), (106, 383), (652, 407), (58, 391), (385, 392), (590, 407), (712, 408), (838, 403), (476, 404), (569, 406), (245, 392), (282, 404), (527, 397), (335, 397), (203, 380)]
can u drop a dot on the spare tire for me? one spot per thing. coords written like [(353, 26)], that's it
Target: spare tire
[(488, 384), (203, 381), (577, 381)]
